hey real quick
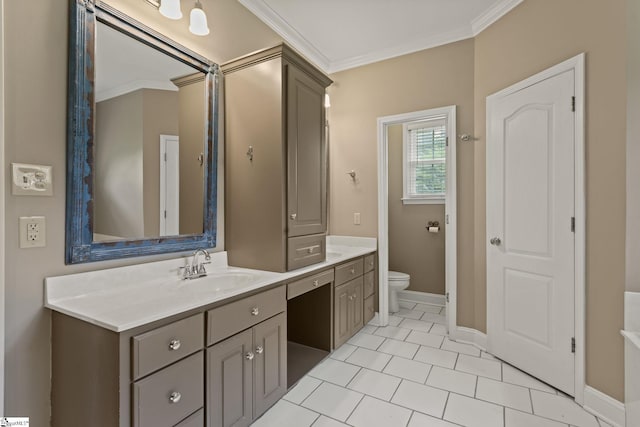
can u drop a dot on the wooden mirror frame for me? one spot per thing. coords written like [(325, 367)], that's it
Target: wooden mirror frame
[(81, 106)]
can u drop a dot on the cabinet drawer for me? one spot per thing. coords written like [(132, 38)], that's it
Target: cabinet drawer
[(194, 420), (310, 283), (162, 346), (348, 271), (369, 262), (305, 250), (222, 322), (369, 309), (168, 396), (369, 283)]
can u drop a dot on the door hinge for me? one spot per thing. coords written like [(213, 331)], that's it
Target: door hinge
[(573, 345), (446, 219), (573, 104), (446, 297), (165, 157), (165, 214), (447, 141), (573, 224)]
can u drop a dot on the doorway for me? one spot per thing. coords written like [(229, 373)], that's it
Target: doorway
[(169, 185), (448, 115), (535, 226)]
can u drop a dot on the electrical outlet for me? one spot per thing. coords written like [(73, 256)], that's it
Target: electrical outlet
[(32, 232), (356, 218)]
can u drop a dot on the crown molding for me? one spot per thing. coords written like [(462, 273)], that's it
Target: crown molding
[(399, 50), (270, 17), (495, 12), (287, 32)]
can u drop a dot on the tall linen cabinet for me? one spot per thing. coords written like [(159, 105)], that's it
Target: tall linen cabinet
[(275, 161)]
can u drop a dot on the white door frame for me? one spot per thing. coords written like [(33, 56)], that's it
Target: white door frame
[(577, 65), (450, 210)]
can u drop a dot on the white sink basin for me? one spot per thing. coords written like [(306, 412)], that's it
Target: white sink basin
[(218, 282)]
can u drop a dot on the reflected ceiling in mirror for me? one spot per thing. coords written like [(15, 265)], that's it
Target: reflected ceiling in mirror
[(137, 98)]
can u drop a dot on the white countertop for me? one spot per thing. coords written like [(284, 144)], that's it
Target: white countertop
[(123, 298)]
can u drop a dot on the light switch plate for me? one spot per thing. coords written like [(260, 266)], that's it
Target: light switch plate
[(32, 232), (31, 180)]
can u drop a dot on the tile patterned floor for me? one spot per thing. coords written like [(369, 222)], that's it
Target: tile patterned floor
[(409, 374)]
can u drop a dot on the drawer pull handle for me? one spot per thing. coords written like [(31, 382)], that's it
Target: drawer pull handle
[(259, 349), (255, 311), (293, 216), (353, 271), (174, 344), (249, 356), (315, 283), (310, 250), (175, 397)]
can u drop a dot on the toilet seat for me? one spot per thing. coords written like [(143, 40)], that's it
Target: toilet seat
[(396, 276)]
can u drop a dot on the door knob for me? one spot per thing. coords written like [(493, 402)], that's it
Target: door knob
[(495, 241)]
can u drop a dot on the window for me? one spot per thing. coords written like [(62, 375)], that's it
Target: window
[(425, 161)]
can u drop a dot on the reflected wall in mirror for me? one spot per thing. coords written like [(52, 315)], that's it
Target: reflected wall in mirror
[(142, 140), (149, 141)]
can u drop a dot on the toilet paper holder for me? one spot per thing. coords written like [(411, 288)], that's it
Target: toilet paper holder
[(433, 226)]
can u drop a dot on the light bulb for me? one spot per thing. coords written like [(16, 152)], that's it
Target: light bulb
[(198, 21), (171, 9), (327, 101)]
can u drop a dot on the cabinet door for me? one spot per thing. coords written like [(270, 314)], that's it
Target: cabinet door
[(270, 362), (230, 382), (341, 312), (356, 307), (307, 157)]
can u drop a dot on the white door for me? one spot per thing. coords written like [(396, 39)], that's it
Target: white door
[(530, 239), (169, 185)]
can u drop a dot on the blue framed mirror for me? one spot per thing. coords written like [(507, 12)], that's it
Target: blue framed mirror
[(142, 136)]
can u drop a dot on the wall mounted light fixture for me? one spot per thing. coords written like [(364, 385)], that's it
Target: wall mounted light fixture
[(171, 9)]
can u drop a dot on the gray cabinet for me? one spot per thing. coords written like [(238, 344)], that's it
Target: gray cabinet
[(275, 161), (246, 373), (348, 310)]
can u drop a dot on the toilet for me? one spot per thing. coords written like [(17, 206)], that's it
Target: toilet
[(397, 282)]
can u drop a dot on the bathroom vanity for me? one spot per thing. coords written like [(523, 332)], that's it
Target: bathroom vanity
[(139, 346)]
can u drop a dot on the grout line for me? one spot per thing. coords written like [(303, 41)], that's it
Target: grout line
[(396, 390), (354, 408), (312, 391), (446, 402)]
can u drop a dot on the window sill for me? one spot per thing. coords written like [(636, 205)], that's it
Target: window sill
[(415, 201)]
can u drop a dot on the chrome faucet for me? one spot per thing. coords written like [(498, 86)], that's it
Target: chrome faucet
[(197, 269)]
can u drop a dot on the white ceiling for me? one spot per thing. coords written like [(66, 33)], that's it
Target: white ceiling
[(341, 34), (124, 65)]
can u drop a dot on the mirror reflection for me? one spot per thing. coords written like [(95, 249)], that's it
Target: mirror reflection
[(149, 140)]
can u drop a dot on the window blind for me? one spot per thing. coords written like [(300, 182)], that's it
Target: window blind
[(425, 159)]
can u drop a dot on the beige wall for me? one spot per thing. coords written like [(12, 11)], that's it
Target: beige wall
[(633, 145), (412, 249), (428, 79), (118, 184), (534, 36), (35, 132)]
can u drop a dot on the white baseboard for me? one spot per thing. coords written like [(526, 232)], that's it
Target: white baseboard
[(470, 336), (422, 297), (604, 407)]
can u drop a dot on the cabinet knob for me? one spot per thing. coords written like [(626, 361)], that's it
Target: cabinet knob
[(293, 216), (310, 250), (315, 283), (255, 311), (175, 397), (174, 344), (353, 271), (259, 349), (371, 263), (249, 356)]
